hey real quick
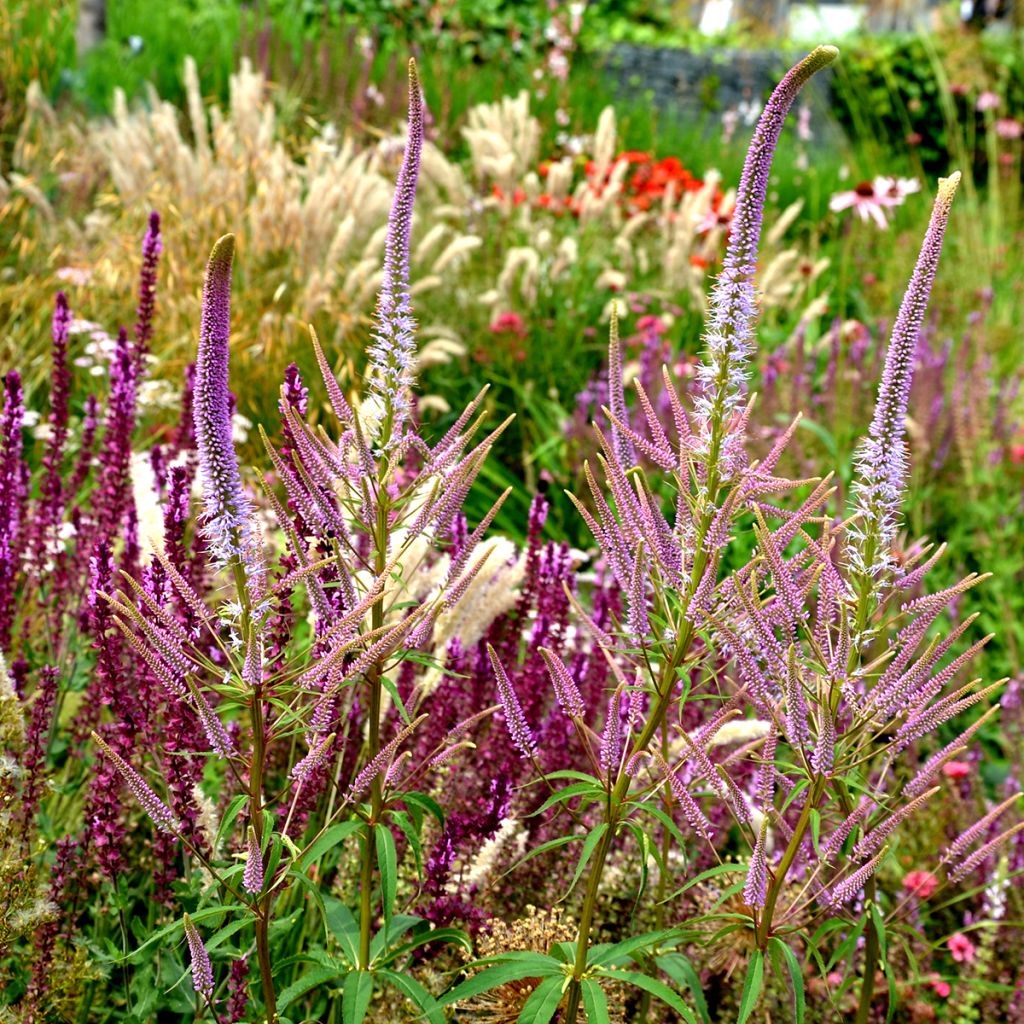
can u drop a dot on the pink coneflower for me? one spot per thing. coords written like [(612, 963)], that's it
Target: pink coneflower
[(1008, 128), (961, 948), (893, 191), (988, 100), (921, 883), (865, 201), (956, 769)]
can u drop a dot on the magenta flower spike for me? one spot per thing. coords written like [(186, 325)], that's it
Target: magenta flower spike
[(730, 326), (202, 969), (882, 459), (228, 517), (152, 246), (392, 353)]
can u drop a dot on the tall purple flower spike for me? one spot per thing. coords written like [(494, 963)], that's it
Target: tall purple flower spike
[(394, 343), (733, 313), (882, 458), (227, 514)]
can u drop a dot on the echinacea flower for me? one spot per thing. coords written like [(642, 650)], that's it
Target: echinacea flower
[(956, 769), (988, 100), (961, 948), (893, 191), (864, 201), (921, 883)]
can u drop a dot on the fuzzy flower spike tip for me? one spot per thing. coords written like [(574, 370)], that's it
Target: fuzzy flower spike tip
[(393, 352), (733, 312)]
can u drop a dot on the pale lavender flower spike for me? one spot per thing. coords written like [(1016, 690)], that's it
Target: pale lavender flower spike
[(202, 969), (160, 814), (228, 516), (755, 890), (882, 458), (252, 876), (515, 720), (393, 351), (733, 310)]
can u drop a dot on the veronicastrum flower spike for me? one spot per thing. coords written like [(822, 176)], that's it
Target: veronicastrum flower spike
[(393, 350), (733, 313), (882, 459), (228, 516)]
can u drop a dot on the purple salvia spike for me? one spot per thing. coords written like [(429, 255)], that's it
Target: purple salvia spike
[(566, 691), (882, 459), (152, 246), (968, 837), (515, 720), (11, 499), (392, 353), (51, 498), (842, 893), (733, 312), (755, 891), (202, 969), (622, 448), (982, 854), (252, 876), (870, 844), (158, 811), (227, 514)]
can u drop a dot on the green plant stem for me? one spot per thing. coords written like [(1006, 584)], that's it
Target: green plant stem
[(256, 818), (664, 692), (376, 787), (871, 951), (764, 925), (614, 806)]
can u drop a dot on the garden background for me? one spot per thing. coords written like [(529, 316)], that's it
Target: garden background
[(580, 163)]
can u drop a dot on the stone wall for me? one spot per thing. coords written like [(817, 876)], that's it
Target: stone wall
[(702, 86)]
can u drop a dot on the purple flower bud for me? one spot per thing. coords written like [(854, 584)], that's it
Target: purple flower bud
[(202, 969)]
